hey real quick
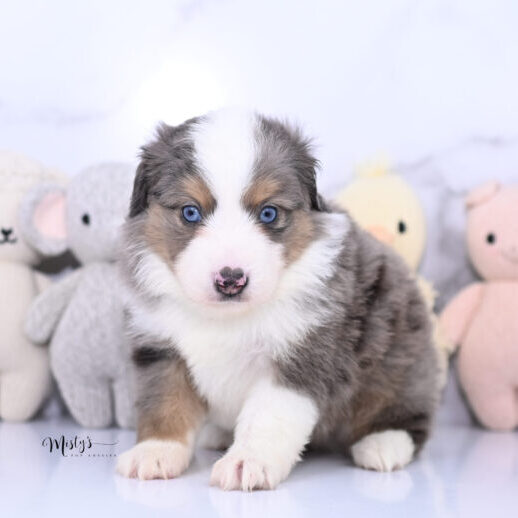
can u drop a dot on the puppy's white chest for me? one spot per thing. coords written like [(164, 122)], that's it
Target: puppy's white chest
[(224, 370), (225, 359)]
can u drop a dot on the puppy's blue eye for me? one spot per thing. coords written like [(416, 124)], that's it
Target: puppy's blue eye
[(268, 214), (191, 214)]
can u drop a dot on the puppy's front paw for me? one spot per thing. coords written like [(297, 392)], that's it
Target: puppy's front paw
[(384, 451), (154, 459), (244, 471)]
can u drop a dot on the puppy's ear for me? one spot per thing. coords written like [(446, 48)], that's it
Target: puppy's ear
[(319, 204), (169, 154), (139, 198), (153, 156), (306, 164), (307, 168)]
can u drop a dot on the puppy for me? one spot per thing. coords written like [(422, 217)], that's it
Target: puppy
[(254, 307)]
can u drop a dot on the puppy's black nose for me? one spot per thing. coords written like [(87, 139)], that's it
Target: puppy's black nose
[(230, 281), (7, 231)]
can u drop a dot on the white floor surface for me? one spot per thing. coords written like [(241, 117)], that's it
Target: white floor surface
[(463, 472)]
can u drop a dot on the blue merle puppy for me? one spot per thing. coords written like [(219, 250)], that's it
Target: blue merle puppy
[(262, 315)]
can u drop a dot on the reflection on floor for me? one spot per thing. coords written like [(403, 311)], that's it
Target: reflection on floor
[(464, 472)]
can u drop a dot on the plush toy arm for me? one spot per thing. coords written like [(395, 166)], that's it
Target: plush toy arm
[(42, 282), (46, 309), (457, 315)]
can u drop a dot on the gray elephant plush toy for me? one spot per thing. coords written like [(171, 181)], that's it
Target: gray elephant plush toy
[(81, 315)]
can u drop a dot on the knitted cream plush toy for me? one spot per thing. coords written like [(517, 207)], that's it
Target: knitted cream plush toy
[(24, 369), (387, 207), (82, 314), (483, 318)]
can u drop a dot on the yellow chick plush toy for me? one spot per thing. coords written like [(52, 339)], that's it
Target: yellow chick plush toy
[(387, 207)]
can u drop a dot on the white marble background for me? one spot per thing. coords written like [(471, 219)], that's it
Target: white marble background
[(432, 85)]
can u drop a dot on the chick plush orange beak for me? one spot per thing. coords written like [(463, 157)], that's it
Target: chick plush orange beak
[(381, 234)]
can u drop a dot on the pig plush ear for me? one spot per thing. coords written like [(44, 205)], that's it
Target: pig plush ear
[(481, 194), (42, 217)]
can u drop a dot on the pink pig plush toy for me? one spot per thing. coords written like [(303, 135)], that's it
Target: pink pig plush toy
[(483, 318)]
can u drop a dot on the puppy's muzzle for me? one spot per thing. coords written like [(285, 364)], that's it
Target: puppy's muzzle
[(230, 281)]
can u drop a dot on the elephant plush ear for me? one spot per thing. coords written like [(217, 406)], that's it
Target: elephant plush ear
[(481, 194), (42, 216)]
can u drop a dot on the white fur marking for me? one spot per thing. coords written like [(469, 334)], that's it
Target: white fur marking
[(384, 451), (213, 437), (225, 151), (155, 458), (272, 429), (224, 143)]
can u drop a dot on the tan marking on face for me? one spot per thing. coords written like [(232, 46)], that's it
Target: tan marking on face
[(261, 190), (196, 188), (161, 230), (166, 232), (300, 232), (177, 411), (299, 235)]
